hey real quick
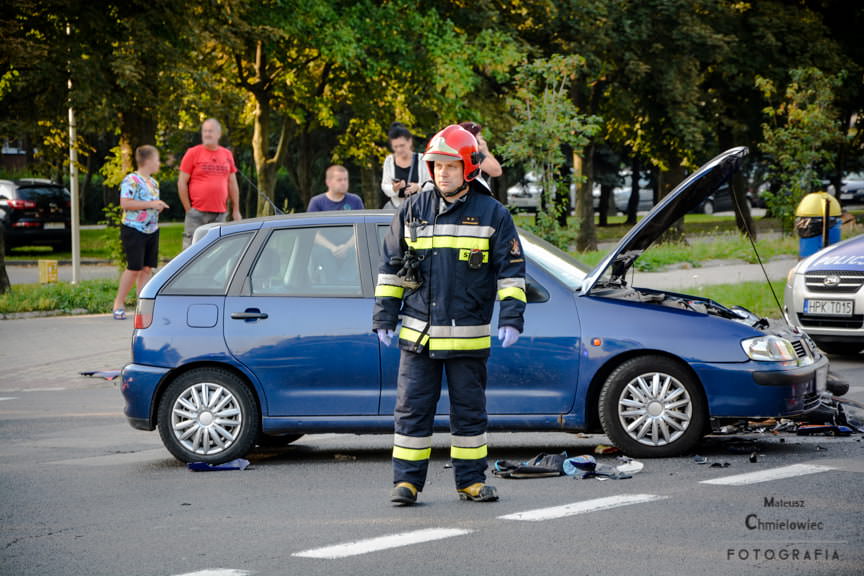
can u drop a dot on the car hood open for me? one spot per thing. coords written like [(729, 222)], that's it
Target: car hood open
[(684, 198)]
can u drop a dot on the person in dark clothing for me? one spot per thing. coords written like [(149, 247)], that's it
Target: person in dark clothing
[(450, 251)]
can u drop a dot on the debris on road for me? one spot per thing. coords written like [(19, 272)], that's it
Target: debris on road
[(579, 467), (106, 374), (238, 464)]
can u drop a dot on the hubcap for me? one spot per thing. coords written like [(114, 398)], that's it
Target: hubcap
[(206, 418), (655, 409)]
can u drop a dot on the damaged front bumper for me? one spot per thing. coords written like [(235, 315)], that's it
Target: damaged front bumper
[(765, 390)]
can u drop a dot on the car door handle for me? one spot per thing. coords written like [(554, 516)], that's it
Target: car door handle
[(249, 315)]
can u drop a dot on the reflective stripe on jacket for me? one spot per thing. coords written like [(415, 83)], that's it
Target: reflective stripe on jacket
[(450, 313)]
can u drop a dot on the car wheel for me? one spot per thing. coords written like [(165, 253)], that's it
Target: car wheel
[(208, 415), (652, 407), (708, 207), (840, 348)]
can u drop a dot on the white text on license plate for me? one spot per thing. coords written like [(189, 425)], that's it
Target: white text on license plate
[(54, 225), (829, 307)]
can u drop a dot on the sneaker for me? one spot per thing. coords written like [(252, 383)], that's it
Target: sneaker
[(478, 492), (404, 494), (120, 314)]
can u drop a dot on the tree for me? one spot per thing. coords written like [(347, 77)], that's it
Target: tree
[(800, 125), (546, 121)]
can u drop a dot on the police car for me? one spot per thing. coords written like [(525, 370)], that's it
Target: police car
[(261, 332), (824, 297)]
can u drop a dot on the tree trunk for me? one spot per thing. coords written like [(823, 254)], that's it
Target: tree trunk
[(666, 183), (136, 129), (265, 168), (586, 239), (304, 168), (5, 285), (370, 187), (633, 200), (743, 217), (607, 202)]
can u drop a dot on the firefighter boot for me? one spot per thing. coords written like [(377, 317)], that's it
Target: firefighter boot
[(404, 494), (478, 492)]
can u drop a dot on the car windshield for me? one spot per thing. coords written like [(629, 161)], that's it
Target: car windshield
[(36, 194), (558, 263)]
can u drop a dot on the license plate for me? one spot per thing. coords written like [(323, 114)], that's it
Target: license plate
[(54, 226), (829, 307)]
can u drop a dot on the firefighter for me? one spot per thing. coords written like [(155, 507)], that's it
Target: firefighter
[(450, 251)]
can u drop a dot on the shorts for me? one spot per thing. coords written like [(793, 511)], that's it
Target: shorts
[(196, 218), (142, 250)]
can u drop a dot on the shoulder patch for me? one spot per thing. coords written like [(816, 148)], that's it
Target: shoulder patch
[(515, 249)]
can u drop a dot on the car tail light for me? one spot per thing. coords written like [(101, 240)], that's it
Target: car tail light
[(26, 224), (144, 313), (21, 204)]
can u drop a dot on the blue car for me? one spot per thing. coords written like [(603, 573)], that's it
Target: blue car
[(261, 332)]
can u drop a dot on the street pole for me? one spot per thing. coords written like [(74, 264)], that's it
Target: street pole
[(73, 181)]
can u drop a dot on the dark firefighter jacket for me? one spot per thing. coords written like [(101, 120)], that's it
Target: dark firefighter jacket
[(470, 254)]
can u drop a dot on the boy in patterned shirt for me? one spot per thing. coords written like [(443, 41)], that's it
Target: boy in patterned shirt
[(139, 232)]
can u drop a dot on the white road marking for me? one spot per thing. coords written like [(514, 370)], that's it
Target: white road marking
[(9, 398), (768, 475), (382, 543), (582, 507), (217, 572)]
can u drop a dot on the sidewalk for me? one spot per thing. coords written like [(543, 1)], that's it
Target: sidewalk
[(713, 272)]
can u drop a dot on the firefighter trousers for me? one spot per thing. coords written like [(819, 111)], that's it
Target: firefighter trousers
[(417, 394)]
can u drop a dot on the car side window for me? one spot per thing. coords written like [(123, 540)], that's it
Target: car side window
[(309, 262), (211, 271)]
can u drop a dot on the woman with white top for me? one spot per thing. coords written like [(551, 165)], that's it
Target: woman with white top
[(404, 170)]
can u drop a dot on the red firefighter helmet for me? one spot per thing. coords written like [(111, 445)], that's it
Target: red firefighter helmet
[(454, 143)]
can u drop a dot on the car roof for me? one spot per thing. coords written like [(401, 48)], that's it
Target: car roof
[(352, 215), (32, 182)]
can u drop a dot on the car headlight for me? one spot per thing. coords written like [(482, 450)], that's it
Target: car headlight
[(769, 349)]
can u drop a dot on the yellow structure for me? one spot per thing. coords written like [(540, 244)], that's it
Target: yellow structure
[(813, 205), (47, 271)]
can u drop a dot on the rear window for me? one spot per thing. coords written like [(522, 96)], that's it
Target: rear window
[(211, 271), (42, 193)]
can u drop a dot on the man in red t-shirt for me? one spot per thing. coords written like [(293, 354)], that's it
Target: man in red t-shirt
[(208, 178)]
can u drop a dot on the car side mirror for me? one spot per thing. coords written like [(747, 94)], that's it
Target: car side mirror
[(534, 291)]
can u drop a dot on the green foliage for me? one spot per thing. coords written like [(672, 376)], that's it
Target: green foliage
[(546, 121), (93, 296), (113, 170), (111, 235), (725, 247), (754, 296), (797, 135)]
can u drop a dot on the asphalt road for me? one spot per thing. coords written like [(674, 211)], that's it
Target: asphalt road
[(82, 493)]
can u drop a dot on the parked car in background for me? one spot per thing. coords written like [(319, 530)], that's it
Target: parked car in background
[(721, 201), (621, 194), (35, 212), (852, 191), (824, 297), (526, 195)]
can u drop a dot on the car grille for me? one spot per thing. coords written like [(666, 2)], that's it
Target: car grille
[(800, 349), (850, 322), (847, 282)]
